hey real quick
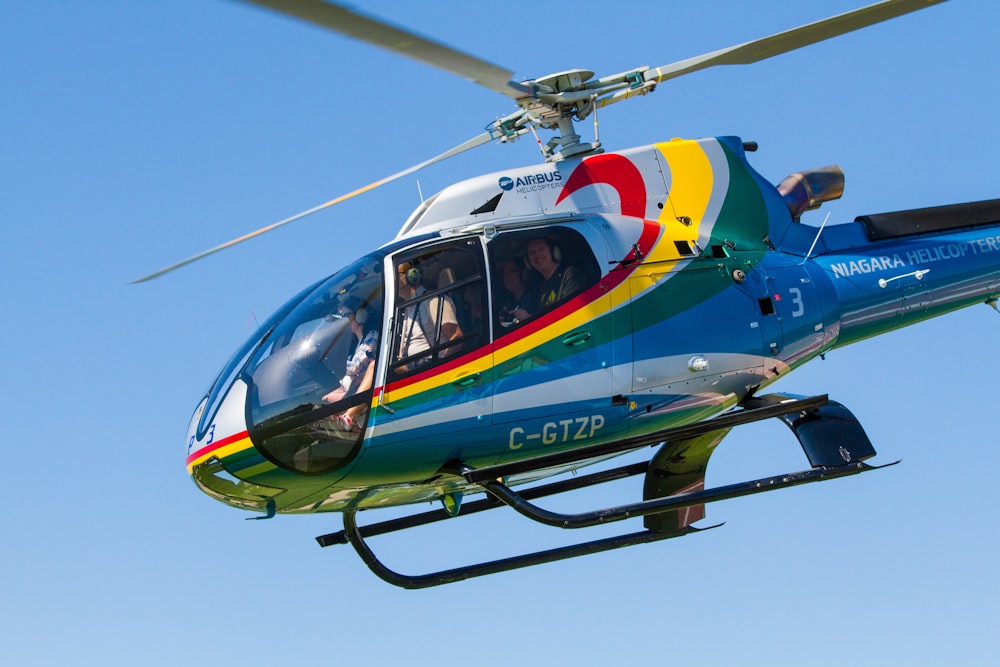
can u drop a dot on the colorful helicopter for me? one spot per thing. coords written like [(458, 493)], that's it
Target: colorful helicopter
[(536, 321)]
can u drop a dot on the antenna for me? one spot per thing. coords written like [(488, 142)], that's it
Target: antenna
[(815, 240)]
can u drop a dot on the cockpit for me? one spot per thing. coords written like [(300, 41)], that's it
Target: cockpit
[(310, 370)]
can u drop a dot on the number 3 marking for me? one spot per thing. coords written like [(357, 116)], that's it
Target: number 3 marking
[(800, 307)]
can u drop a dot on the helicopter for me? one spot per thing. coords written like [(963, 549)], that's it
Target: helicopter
[(664, 287)]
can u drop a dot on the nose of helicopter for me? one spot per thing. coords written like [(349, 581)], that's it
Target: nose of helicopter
[(218, 427), (273, 413), (220, 438)]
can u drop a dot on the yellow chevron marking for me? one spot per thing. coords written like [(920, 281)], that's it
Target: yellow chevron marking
[(692, 180)]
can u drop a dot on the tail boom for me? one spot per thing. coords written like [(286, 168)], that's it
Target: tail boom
[(891, 270)]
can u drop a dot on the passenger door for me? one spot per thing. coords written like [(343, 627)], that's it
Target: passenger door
[(437, 390), (554, 365)]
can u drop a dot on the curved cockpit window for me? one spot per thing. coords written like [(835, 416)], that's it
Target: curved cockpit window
[(311, 381), (235, 364)]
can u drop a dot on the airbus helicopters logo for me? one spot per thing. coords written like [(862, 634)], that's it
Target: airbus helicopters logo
[(532, 182)]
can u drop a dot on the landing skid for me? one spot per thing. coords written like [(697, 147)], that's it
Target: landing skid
[(831, 437), (492, 567)]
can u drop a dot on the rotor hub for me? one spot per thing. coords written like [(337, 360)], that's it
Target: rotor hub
[(561, 82)]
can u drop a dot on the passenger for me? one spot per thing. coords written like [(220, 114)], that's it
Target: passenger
[(360, 368), (429, 323), (559, 281), (514, 306)]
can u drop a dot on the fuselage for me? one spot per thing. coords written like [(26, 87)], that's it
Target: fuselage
[(681, 286)]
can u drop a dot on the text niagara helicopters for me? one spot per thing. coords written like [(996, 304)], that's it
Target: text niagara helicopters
[(532, 322)]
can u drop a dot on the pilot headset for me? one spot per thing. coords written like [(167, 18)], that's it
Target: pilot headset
[(413, 274), (355, 305), (555, 251)]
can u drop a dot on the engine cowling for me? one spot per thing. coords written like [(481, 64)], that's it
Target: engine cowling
[(806, 190)]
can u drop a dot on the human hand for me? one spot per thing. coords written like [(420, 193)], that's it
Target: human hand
[(335, 395)]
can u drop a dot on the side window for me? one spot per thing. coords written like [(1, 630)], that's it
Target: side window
[(536, 270), (440, 305)]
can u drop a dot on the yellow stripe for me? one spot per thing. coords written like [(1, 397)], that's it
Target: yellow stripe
[(479, 366), (692, 180), (222, 452), (620, 295), (572, 321)]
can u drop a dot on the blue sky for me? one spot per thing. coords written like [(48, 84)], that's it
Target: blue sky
[(134, 134)]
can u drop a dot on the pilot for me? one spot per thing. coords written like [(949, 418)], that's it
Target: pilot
[(559, 281), (360, 368), (430, 322)]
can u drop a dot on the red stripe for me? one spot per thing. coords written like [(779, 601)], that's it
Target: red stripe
[(626, 179), (616, 171), (207, 449), (556, 314), (460, 360)]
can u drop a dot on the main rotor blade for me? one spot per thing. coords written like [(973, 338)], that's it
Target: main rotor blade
[(478, 140), (782, 42), (374, 31)]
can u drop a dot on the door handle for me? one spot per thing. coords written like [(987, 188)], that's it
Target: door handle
[(467, 380), (577, 338)]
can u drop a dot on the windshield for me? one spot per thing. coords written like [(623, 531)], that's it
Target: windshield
[(230, 371), (311, 380)]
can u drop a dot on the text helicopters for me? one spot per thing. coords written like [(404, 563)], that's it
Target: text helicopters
[(681, 312)]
